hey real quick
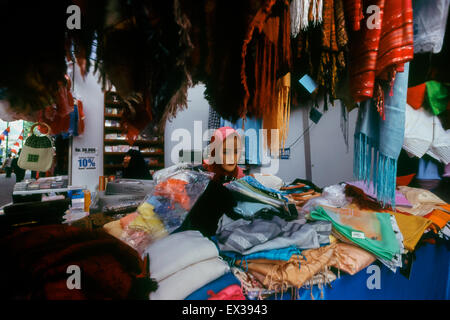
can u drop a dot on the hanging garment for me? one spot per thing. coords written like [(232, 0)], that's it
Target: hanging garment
[(380, 48), (249, 128), (354, 13), (416, 96), (213, 119), (424, 134), (428, 170), (373, 134), (272, 61), (371, 231), (438, 95), (304, 12), (430, 19), (227, 52), (246, 237), (277, 117)]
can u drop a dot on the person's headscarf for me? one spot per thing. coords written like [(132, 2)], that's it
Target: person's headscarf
[(137, 167), (219, 173)]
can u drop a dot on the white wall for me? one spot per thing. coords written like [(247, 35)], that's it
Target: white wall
[(90, 92), (330, 161), (198, 110)]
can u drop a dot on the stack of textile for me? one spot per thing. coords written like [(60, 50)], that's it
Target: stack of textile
[(183, 263), (269, 248), (254, 199), (365, 231)]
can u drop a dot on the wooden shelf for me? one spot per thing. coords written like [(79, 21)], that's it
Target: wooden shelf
[(145, 154), (113, 129), (111, 115), (112, 160)]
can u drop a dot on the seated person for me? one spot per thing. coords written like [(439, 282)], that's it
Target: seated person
[(224, 155), (135, 166)]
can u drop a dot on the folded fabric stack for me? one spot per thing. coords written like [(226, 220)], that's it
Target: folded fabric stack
[(262, 251), (182, 263), (299, 193), (365, 231), (372, 231), (255, 199)]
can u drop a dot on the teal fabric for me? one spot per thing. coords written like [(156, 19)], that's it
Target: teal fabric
[(251, 210), (385, 249), (283, 254), (383, 138)]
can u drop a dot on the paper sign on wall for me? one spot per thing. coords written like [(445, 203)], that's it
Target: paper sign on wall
[(86, 158)]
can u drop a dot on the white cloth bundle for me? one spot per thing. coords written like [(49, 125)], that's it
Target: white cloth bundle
[(424, 134), (178, 251), (269, 181)]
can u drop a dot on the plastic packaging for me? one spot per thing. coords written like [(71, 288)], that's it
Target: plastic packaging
[(165, 209), (165, 173), (333, 196)]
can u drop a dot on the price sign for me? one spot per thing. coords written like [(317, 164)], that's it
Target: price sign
[(86, 158)]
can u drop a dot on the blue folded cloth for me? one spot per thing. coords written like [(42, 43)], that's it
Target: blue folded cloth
[(283, 254), (216, 286)]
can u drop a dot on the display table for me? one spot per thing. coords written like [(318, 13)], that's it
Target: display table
[(429, 280)]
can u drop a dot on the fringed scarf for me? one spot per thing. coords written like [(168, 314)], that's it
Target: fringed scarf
[(334, 46), (383, 138), (270, 98), (378, 51), (322, 52)]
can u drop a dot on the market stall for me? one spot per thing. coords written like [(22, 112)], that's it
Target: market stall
[(229, 220)]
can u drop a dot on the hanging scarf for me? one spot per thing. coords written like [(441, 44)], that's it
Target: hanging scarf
[(334, 44), (380, 52), (382, 137), (278, 117), (303, 12)]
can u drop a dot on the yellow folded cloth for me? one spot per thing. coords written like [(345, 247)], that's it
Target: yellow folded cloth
[(148, 221)]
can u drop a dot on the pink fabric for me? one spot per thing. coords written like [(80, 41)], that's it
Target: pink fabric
[(400, 199), (233, 292)]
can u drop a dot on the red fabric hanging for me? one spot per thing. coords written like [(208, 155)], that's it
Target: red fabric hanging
[(380, 52)]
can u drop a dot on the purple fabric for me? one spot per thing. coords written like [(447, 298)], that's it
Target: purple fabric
[(400, 199)]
